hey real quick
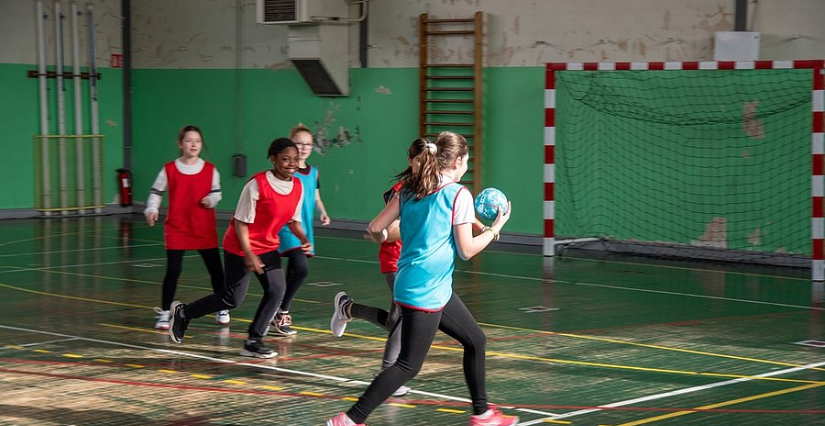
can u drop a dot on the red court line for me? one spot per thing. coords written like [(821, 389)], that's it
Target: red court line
[(407, 401)]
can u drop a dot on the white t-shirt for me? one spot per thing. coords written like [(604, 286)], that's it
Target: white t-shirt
[(245, 212), (162, 184), (463, 210)]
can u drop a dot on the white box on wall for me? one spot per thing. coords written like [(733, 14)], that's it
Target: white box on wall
[(736, 46)]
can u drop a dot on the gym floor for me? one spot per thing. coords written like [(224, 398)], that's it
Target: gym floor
[(579, 340)]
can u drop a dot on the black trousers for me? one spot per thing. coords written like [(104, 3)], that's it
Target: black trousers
[(297, 270), (417, 333), (386, 320), (236, 284), (174, 265)]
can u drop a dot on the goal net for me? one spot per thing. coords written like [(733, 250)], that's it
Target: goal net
[(704, 160)]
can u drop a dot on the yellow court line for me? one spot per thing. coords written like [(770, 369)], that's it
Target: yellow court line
[(501, 354), (722, 404), (85, 299), (138, 329), (450, 410), (644, 345), (396, 404)]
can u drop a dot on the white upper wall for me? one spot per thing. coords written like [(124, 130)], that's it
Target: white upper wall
[(223, 34)]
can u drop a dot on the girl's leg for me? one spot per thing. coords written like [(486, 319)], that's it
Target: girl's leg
[(417, 334), (231, 294), (212, 261), (393, 345), (273, 284), (458, 323), (174, 265), (296, 272)]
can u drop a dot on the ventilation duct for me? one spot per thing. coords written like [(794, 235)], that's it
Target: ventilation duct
[(321, 55), (318, 40)]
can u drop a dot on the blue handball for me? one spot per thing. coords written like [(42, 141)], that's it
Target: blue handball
[(488, 201)]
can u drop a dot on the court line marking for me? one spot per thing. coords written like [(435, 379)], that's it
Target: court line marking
[(684, 391), (616, 287), (545, 280), (242, 364), (492, 353), (79, 250), (721, 404), (645, 345)]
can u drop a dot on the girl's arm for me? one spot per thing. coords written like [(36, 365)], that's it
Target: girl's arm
[(468, 246), (155, 197), (298, 230), (211, 200), (321, 209), (250, 260), (378, 227)]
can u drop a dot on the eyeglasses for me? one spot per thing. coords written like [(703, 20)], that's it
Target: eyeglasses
[(304, 145)]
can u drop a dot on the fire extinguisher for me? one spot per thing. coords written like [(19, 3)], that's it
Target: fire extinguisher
[(124, 186)]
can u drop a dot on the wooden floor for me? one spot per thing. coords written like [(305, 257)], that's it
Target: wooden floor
[(576, 340)]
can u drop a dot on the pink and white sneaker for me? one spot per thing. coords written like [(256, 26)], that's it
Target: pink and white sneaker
[(493, 417), (342, 420)]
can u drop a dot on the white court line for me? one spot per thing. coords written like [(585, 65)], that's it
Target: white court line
[(671, 293), (244, 364), (616, 287), (77, 250), (674, 393)]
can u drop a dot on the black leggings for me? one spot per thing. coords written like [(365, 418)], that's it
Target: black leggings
[(296, 272), (417, 333), (386, 320), (174, 265), (234, 291)]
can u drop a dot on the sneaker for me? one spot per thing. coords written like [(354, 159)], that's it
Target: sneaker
[(257, 349), (163, 319), (281, 324), (342, 420), (493, 418), (177, 322), (222, 317), (403, 390), (339, 320)]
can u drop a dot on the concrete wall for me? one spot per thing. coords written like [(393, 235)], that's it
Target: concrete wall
[(223, 33)]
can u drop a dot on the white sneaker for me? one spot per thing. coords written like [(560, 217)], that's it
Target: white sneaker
[(222, 317), (339, 320), (162, 319), (403, 390)]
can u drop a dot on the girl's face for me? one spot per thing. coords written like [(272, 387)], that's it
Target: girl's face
[(285, 163), (191, 144), (415, 163), (305, 145), (461, 164)]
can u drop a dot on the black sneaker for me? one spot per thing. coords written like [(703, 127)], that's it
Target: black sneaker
[(177, 322), (257, 349), (281, 325)]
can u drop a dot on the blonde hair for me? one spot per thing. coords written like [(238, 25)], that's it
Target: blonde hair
[(448, 147), (298, 129)]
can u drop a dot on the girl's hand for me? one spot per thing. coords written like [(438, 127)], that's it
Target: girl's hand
[(253, 263), (502, 218), (151, 218), (306, 247), (205, 202), (324, 219)]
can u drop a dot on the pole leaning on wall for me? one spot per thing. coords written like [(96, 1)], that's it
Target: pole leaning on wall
[(45, 188), (78, 111), (61, 108), (97, 178)]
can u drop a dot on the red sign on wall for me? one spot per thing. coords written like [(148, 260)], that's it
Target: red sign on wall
[(116, 61)]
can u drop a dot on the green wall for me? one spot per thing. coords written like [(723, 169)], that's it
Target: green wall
[(243, 111), (20, 123)]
